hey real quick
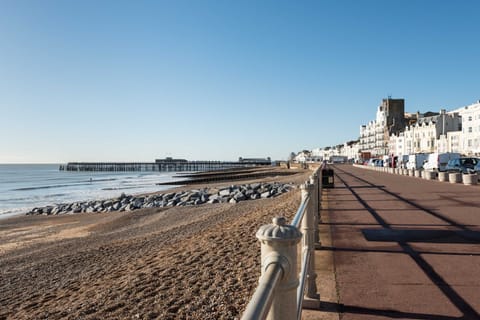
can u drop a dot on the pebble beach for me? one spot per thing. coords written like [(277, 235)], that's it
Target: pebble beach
[(168, 262)]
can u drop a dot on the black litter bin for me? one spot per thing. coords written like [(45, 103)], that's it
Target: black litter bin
[(327, 178)]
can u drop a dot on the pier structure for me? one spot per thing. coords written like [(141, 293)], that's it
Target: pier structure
[(167, 164)]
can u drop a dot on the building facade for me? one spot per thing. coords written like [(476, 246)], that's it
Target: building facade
[(399, 133), (390, 119), (470, 137)]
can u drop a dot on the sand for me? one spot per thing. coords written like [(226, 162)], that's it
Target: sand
[(199, 262)]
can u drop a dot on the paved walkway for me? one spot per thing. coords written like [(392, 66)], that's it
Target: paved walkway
[(399, 247)]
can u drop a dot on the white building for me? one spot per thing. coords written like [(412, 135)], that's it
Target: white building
[(303, 157), (450, 142), (470, 137), (423, 136), (351, 150), (397, 144)]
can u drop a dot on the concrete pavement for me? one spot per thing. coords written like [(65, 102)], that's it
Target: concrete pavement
[(398, 247)]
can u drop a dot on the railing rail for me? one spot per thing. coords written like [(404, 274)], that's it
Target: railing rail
[(264, 294), (297, 219), (282, 291), (303, 277)]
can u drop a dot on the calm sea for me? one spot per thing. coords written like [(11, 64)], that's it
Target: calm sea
[(25, 186)]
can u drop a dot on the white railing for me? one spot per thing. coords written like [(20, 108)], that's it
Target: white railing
[(282, 291)]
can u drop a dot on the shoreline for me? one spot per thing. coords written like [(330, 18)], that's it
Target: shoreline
[(24, 187), (179, 181)]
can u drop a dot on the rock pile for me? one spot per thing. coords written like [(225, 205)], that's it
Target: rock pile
[(232, 194)]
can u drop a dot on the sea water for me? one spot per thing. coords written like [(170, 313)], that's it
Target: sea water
[(26, 186)]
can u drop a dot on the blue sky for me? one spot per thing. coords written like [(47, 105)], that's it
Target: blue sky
[(201, 80)]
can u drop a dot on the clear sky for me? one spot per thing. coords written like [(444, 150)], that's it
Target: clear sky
[(140, 80)]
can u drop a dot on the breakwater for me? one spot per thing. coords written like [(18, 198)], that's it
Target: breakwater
[(167, 164), (231, 194)]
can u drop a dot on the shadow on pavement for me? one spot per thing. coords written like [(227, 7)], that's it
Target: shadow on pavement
[(394, 314)]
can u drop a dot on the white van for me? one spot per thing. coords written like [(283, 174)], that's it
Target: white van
[(415, 161), (387, 161), (437, 161)]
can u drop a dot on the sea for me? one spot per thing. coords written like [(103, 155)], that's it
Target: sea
[(26, 186)]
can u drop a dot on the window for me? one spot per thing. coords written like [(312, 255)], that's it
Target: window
[(469, 129), (469, 118)]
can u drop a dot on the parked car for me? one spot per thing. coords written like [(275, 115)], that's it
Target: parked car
[(437, 161), (463, 165)]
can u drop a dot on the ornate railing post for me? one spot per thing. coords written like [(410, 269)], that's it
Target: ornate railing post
[(308, 248), (279, 247)]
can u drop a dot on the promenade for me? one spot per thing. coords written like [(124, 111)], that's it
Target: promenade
[(398, 247)]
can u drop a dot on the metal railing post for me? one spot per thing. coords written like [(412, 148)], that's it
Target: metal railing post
[(279, 249), (308, 248), (320, 177), (316, 206)]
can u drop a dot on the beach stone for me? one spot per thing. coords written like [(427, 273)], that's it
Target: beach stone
[(249, 192), (239, 196), (224, 192), (265, 194), (117, 205), (137, 203), (255, 196), (168, 196), (224, 199), (255, 186)]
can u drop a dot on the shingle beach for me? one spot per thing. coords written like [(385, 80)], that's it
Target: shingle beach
[(190, 262)]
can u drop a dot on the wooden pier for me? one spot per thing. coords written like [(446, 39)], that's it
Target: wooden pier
[(167, 165)]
